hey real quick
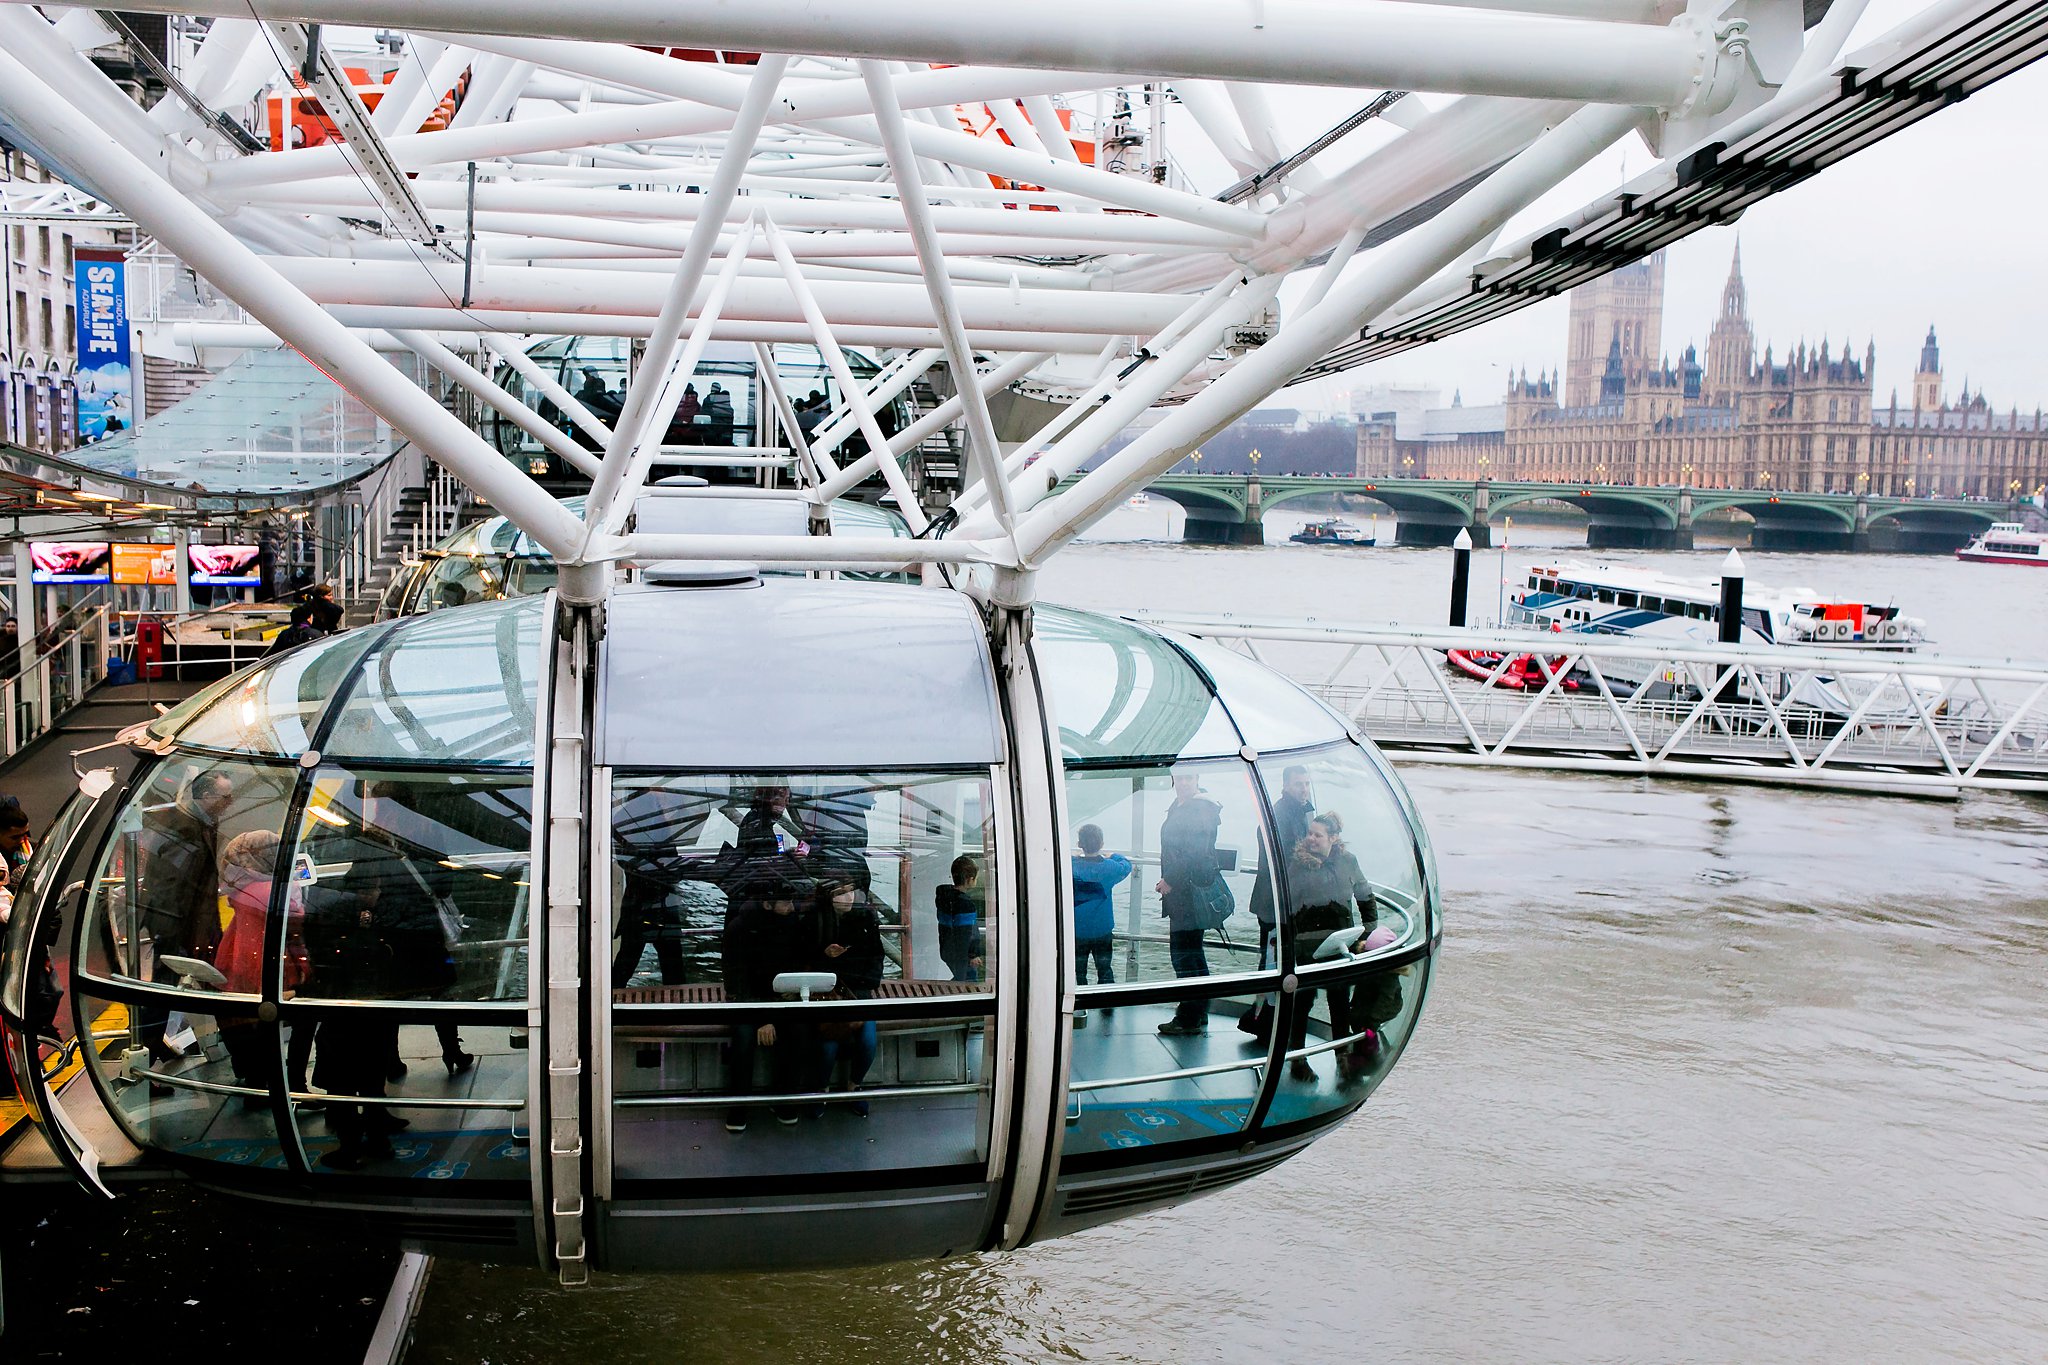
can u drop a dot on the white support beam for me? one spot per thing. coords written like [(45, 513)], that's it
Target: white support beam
[(1381, 44), (202, 243), (611, 498), (856, 397), (983, 452), (640, 293), (667, 207), (823, 552), (572, 407), (481, 384), (933, 422), (900, 374), (1401, 265), (633, 425), (808, 469)]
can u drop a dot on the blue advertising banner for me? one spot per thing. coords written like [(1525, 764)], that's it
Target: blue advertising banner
[(106, 402)]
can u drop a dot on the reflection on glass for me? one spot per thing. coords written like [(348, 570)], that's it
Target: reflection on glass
[(1196, 900), (1122, 692), (1130, 1084), (391, 1101), (447, 689), (162, 903), (414, 886), (273, 710), (1348, 1029), (194, 1096), (696, 857), (1351, 880), (873, 887)]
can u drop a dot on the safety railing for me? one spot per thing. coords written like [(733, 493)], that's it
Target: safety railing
[(202, 644), (1872, 720), (369, 521), (60, 666)]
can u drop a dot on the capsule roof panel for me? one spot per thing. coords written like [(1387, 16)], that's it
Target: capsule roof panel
[(452, 689), (691, 512), (796, 674)]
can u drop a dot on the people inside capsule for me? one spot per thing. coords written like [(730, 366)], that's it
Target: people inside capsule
[(766, 934), (1191, 889), (646, 850), (177, 892), (959, 905), (247, 864), (1096, 874), (850, 947), (349, 941)]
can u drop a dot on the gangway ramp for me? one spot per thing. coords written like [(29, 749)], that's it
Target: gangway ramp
[(1881, 720)]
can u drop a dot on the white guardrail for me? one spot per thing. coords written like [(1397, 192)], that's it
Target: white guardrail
[(1858, 719)]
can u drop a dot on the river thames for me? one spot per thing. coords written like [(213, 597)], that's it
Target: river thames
[(1709, 1073)]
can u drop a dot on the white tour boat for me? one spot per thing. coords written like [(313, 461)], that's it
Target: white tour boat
[(2007, 542), (1613, 600)]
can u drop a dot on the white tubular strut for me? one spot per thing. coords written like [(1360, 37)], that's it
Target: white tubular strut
[(210, 249)]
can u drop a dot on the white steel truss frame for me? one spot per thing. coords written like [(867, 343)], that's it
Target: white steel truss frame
[(896, 175)]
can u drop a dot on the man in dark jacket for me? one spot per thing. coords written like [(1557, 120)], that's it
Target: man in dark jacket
[(1187, 865), (766, 933), (177, 887)]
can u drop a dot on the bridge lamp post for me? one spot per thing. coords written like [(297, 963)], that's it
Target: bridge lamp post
[(1599, 473), (1255, 459), (1408, 466), (1909, 488), (1685, 476)]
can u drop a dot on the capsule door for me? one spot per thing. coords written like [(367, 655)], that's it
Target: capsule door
[(36, 1004)]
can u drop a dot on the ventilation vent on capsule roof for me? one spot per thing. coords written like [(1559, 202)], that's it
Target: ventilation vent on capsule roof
[(701, 573)]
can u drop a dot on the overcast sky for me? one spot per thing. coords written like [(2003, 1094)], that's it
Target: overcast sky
[(1941, 224)]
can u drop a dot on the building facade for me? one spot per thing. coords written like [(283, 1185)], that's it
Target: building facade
[(1809, 422)]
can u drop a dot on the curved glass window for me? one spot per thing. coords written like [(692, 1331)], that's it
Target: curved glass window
[(1271, 712), (194, 851), (29, 889), (1351, 877), (734, 895), (1170, 875), (275, 709), (457, 689), (411, 886), (1120, 691)]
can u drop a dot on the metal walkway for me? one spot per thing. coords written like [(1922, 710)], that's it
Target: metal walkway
[(1879, 721)]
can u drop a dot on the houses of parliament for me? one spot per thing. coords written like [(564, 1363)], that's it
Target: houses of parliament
[(1807, 421)]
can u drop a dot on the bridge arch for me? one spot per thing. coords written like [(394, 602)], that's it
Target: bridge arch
[(1931, 528)]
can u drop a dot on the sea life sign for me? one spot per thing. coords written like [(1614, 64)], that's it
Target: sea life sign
[(106, 401)]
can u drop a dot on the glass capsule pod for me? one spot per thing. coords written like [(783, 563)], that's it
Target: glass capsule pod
[(493, 558), (776, 923), (727, 406)]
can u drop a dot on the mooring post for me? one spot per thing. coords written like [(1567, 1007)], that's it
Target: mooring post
[(1461, 575), (1731, 599)]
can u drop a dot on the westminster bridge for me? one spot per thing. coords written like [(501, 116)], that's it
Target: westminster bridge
[(1227, 509)]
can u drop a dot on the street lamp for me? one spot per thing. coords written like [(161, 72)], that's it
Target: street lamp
[(1197, 458), (1255, 459), (1599, 473), (1408, 465), (1909, 488), (1766, 477), (1685, 476)]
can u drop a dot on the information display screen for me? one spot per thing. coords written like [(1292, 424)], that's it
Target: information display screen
[(154, 566), (70, 561), (225, 566)]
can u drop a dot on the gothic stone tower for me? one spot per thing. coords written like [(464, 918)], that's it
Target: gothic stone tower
[(1626, 306), (1731, 345), (1927, 382)]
